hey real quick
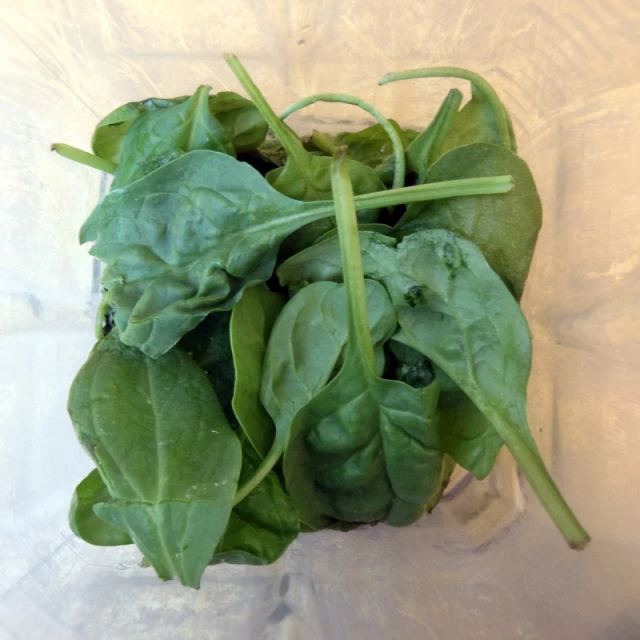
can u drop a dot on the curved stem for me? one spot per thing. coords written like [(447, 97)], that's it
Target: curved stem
[(288, 139), (277, 449), (398, 147), (478, 84), (84, 157)]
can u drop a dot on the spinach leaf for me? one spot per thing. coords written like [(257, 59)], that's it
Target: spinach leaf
[(83, 520), (186, 239), (209, 345), (504, 226), (241, 121), (304, 351), (252, 321), (456, 311), (322, 261), (263, 525), (373, 146), (164, 449), (427, 147), (109, 135), (483, 119), (363, 449), (466, 434), (305, 176), (159, 136), (306, 343), (243, 124)]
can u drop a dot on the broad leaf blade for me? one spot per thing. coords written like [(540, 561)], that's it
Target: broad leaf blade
[(504, 226), (159, 136), (164, 450), (307, 341), (426, 148), (240, 119), (252, 321), (184, 241)]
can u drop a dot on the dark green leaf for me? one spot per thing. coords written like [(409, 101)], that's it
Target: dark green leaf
[(465, 433), (322, 261), (363, 449), (456, 311), (504, 226), (426, 148), (383, 229), (209, 345), (83, 520), (183, 242), (252, 320), (263, 525), (242, 122), (186, 239), (164, 449), (307, 340), (159, 136)]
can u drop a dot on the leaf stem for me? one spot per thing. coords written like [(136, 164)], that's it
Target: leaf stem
[(348, 236), (84, 157), (434, 191), (420, 193), (288, 139), (398, 147), (478, 84), (538, 477)]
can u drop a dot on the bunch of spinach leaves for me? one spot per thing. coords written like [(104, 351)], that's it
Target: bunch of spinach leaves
[(290, 339)]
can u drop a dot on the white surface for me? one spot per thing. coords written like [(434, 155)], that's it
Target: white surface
[(568, 73)]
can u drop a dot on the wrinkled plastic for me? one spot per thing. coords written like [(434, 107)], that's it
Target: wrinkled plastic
[(487, 563)]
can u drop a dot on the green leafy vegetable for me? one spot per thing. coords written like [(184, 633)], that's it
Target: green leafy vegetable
[(164, 449), (427, 147), (83, 520), (307, 342), (455, 310), (466, 434), (252, 321), (263, 525), (186, 239), (304, 176), (365, 146), (209, 345), (278, 355), (110, 133), (363, 449), (243, 124), (159, 136), (504, 226)]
